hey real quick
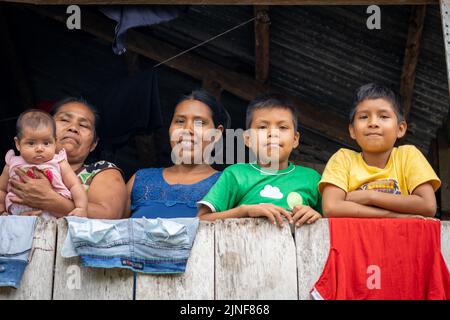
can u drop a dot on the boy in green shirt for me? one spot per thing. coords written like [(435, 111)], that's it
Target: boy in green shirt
[(273, 187)]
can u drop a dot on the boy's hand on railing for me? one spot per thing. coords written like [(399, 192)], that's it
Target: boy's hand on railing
[(304, 214), (272, 212)]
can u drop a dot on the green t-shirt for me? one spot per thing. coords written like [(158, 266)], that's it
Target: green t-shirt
[(245, 183)]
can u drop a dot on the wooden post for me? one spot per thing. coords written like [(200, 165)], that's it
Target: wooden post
[(262, 43), (413, 44)]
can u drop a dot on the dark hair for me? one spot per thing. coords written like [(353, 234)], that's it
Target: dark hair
[(34, 118), (269, 101), (377, 91), (94, 110), (220, 115)]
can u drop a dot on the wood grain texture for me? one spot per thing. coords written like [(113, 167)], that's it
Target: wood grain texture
[(313, 245), (74, 282), (197, 283), (254, 260), (37, 280)]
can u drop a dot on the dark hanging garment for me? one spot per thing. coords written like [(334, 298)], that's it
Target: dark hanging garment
[(137, 16), (128, 106)]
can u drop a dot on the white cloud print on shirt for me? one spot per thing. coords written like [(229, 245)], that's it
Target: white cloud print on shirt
[(271, 192)]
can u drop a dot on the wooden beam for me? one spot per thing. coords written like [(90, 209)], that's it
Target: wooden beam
[(210, 84), (232, 2), (331, 126), (262, 43), (16, 70), (412, 51)]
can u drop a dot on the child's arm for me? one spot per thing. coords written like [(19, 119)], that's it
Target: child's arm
[(334, 204), (3, 188), (422, 201), (272, 212), (72, 183)]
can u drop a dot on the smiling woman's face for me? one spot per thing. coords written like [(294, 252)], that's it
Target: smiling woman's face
[(75, 127)]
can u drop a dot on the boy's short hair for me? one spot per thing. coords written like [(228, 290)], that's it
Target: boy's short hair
[(376, 91), (269, 101), (34, 118)]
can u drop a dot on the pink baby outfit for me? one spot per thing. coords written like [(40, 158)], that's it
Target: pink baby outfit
[(50, 168)]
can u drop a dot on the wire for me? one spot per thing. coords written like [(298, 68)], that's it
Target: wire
[(206, 41)]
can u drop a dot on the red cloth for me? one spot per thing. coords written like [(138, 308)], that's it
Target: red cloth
[(384, 259)]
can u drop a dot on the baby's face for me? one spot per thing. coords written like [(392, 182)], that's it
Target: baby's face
[(36, 145)]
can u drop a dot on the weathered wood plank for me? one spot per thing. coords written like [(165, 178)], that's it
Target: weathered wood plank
[(254, 260), (233, 2), (197, 283), (412, 51), (445, 241), (37, 280), (313, 245), (74, 282)]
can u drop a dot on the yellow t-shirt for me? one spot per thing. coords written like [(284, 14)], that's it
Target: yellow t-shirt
[(405, 170)]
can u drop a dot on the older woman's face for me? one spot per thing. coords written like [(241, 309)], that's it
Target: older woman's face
[(75, 126)]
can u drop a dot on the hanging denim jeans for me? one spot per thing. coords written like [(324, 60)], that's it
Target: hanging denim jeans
[(16, 241), (142, 245)]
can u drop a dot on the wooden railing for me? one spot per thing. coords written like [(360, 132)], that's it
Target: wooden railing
[(232, 259)]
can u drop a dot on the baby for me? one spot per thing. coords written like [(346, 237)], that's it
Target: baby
[(36, 142)]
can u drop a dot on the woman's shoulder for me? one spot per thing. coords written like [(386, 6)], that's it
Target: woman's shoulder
[(99, 165), (89, 171)]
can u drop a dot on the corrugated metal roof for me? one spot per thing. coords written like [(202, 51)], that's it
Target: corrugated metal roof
[(322, 54)]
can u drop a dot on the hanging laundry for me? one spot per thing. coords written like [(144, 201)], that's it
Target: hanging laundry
[(128, 105), (128, 17), (143, 245), (384, 259), (16, 241)]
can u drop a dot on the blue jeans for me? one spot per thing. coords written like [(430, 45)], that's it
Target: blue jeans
[(16, 240), (142, 245)]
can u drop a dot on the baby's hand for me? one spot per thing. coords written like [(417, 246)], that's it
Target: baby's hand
[(78, 212), (4, 214)]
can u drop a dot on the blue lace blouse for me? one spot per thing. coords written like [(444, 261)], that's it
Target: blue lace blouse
[(153, 197)]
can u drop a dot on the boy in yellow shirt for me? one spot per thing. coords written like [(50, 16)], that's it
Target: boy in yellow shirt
[(382, 180)]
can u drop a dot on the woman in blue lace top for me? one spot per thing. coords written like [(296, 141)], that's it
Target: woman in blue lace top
[(197, 123)]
